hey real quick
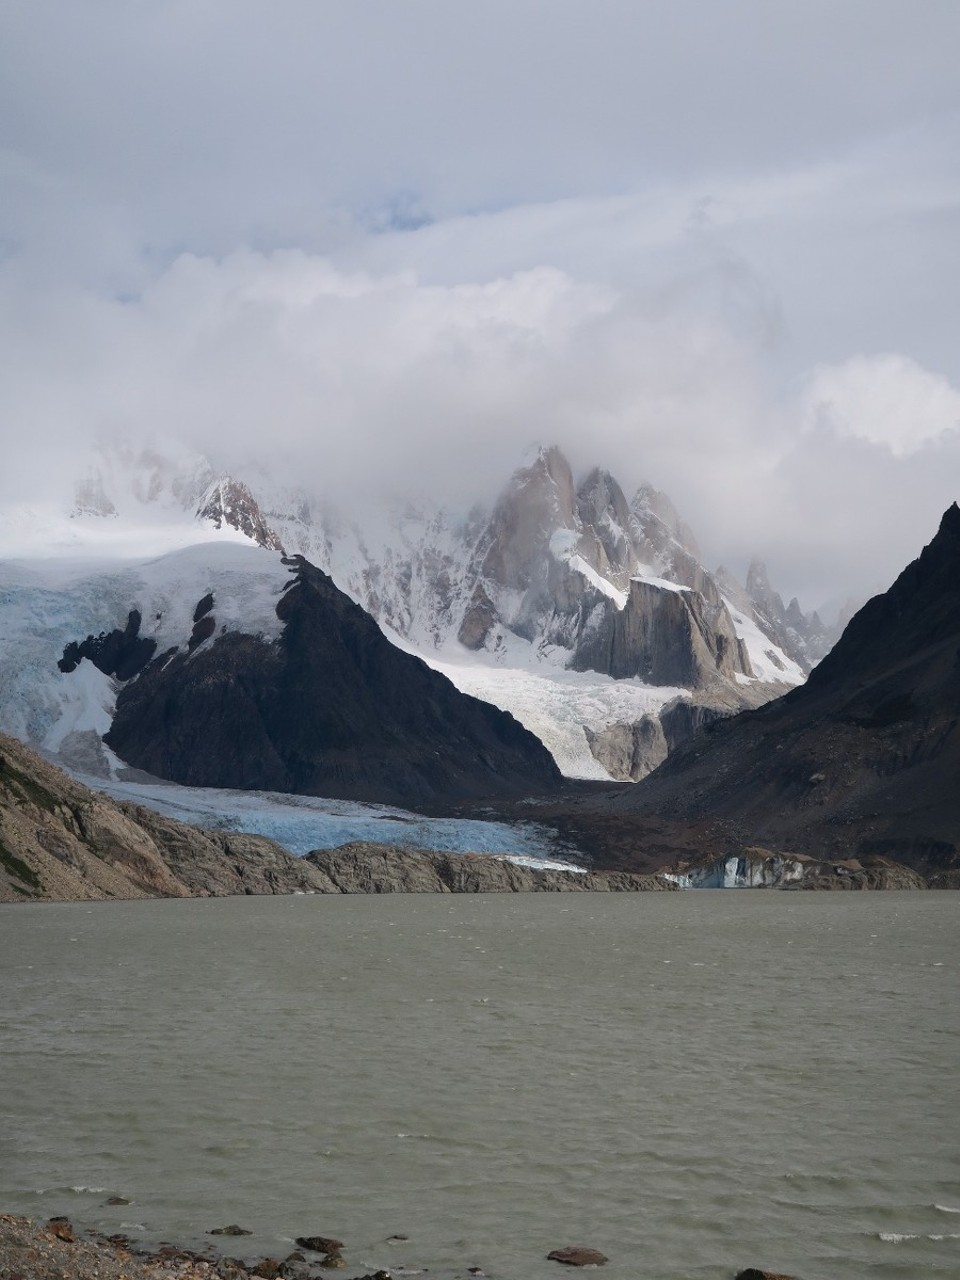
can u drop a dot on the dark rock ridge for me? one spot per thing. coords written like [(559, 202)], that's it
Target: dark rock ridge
[(331, 708), (862, 760)]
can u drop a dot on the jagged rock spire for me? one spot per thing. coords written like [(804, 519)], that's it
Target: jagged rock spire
[(230, 502)]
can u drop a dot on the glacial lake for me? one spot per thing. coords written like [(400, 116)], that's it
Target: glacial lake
[(692, 1082)]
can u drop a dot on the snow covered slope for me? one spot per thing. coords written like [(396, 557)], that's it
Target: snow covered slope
[(47, 603)]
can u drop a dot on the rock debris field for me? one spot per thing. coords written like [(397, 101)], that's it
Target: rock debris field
[(56, 1250)]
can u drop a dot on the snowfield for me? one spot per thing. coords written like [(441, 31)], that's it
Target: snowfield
[(557, 704), (46, 603), (768, 662)]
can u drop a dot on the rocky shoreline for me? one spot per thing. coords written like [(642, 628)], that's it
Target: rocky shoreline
[(62, 842), (361, 867), (56, 1250)]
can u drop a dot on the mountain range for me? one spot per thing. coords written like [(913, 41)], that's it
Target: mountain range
[(590, 619), (232, 660)]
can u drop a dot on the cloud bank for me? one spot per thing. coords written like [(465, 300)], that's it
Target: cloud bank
[(708, 248)]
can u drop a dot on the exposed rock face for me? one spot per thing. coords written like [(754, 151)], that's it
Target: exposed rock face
[(62, 841), (578, 569), (631, 751), (230, 502), (945, 879), (369, 868), (861, 760), (664, 636), (805, 639), (802, 637), (330, 709)]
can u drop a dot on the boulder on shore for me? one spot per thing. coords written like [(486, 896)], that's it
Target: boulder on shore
[(575, 1255)]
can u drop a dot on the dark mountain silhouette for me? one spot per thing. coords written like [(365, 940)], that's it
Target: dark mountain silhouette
[(331, 708), (862, 759)]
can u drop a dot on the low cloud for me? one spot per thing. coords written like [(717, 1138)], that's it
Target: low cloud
[(885, 399), (365, 385)]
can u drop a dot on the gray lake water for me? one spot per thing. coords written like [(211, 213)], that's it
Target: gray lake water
[(692, 1083)]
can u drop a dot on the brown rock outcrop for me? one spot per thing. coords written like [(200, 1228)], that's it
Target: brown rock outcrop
[(59, 840), (370, 868), (230, 502)]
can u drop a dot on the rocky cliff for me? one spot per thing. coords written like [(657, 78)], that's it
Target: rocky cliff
[(663, 635), (581, 569), (59, 840), (633, 750), (229, 502), (803, 637), (368, 868)]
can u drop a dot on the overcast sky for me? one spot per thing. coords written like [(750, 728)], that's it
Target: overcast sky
[(711, 244)]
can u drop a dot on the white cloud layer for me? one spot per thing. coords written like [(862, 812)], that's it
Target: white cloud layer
[(886, 399), (713, 247)]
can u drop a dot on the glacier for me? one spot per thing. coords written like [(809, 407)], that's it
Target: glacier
[(302, 823)]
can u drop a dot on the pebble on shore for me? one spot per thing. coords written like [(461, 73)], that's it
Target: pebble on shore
[(50, 1251), (32, 1250)]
